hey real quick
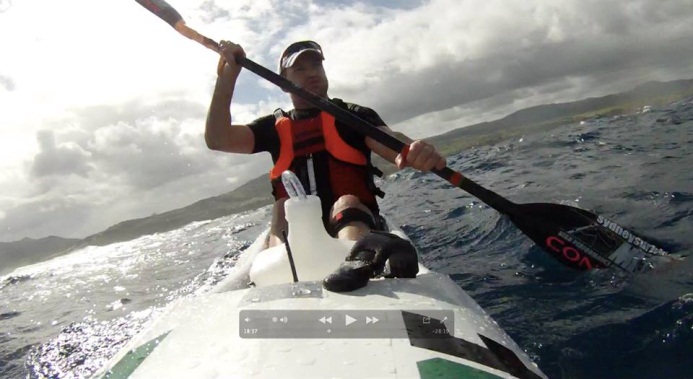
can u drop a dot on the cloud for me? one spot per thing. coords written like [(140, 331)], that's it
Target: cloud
[(64, 159), (7, 83), (61, 216), (5, 5), (94, 141), (76, 206), (137, 145), (434, 58), (146, 154), (103, 164), (212, 12)]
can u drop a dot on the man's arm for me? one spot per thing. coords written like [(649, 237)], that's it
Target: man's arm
[(220, 133), (385, 152), (422, 155)]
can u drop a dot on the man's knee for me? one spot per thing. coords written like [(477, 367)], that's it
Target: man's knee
[(346, 202), (349, 218)]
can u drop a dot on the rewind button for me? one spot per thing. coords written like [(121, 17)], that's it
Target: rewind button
[(327, 320)]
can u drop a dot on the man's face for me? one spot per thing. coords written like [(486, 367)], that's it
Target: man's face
[(308, 73)]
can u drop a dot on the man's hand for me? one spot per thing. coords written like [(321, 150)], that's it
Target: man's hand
[(227, 68), (422, 156)]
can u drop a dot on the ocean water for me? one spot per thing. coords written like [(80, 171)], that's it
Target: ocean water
[(64, 318)]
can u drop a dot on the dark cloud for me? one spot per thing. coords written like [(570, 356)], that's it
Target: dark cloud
[(213, 12), (142, 154), (63, 216), (96, 117), (54, 159), (399, 4), (88, 180), (597, 43), (5, 5), (77, 207), (140, 145), (7, 83), (106, 164), (109, 163), (477, 80), (145, 155)]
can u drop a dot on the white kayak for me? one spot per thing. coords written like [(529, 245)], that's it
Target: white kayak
[(424, 327)]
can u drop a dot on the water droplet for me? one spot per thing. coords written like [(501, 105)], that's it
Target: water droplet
[(302, 292), (254, 372), (390, 369), (307, 361), (194, 364)]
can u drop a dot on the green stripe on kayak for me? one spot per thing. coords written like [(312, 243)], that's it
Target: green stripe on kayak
[(439, 368), (129, 363)]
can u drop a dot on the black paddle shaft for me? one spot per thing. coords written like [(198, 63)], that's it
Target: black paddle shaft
[(575, 237), (550, 226), (364, 127), (167, 13)]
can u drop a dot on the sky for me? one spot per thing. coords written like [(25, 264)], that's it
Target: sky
[(103, 105)]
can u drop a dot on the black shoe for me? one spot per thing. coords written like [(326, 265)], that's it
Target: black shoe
[(368, 259)]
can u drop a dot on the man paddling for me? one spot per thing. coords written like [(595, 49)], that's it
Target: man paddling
[(331, 160)]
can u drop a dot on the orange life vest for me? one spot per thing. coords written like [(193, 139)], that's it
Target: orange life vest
[(313, 149)]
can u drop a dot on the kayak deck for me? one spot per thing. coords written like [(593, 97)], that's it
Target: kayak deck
[(423, 327), (206, 337)]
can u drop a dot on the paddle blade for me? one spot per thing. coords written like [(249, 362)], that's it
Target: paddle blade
[(585, 241), (167, 13), (162, 10)]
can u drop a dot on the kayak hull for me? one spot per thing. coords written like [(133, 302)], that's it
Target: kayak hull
[(206, 337), (423, 327)]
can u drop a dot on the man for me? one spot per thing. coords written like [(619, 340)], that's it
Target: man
[(329, 158)]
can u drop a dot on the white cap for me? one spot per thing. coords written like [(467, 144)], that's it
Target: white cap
[(293, 51)]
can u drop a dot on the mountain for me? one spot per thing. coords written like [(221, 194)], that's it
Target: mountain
[(548, 116), (28, 251), (252, 195), (256, 193)]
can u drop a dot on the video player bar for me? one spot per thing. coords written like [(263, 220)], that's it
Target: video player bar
[(378, 323)]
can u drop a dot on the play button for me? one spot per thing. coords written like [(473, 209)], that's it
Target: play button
[(349, 320)]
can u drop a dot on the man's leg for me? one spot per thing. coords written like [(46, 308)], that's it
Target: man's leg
[(353, 229), (278, 224)]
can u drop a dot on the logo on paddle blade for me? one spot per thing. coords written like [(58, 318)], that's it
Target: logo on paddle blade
[(569, 254), (630, 237), (602, 245), (585, 247)]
